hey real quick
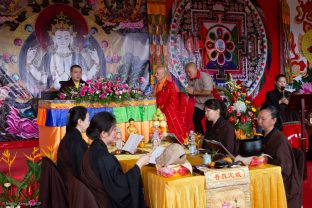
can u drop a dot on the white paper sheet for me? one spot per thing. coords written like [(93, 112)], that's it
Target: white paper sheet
[(156, 154), (132, 143)]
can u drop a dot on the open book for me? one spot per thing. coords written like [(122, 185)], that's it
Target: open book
[(156, 153), (132, 143), (217, 147)]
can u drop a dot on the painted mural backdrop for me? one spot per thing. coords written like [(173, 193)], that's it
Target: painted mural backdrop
[(297, 34), (221, 37), (41, 40)]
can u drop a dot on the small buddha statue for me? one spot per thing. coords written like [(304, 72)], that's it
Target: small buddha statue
[(132, 129)]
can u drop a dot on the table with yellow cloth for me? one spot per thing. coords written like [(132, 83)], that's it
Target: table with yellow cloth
[(52, 116), (176, 192), (266, 187)]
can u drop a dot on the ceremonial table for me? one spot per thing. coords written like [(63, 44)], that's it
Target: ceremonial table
[(52, 117), (266, 187)]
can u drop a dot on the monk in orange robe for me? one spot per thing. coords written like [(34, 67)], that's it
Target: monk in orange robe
[(168, 102)]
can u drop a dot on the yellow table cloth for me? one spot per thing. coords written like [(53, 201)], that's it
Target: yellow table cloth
[(266, 187), (177, 192)]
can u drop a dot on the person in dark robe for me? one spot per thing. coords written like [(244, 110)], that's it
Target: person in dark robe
[(222, 130), (72, 147), (75, 79), (168, 102), (277, 146), (279, 97), (102, 173)]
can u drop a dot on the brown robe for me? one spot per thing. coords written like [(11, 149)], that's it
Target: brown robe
[(277, 146), (223, 131), (70, 153), (52, 189), (103, 175), (79, 196), (94, 184)]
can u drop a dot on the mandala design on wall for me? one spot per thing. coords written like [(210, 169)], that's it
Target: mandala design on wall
[(221, 38), (219, 46)]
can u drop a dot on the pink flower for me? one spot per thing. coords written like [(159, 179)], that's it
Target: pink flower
[(238, 114), (31, 202), (91, 91), (88, 81), (84, 89), (250, 113), (23, 127), (62, 96), (141, 80), (306, 87), (102, 96), (82, 93)]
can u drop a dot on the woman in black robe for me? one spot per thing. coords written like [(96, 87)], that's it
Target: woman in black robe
[(102, 173), (72, 147), (279, 97), (222, 130), (277, 146)]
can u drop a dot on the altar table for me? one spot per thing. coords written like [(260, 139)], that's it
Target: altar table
[(266, 187), (52, 117)]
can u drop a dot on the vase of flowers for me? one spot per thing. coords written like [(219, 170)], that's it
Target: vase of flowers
[(103, 91), (241, 110)]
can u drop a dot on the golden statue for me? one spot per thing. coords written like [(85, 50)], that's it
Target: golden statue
[(132, 129)]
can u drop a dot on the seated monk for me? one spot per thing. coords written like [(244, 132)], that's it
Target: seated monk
[(75, 78), (277, 146), (168, 102)]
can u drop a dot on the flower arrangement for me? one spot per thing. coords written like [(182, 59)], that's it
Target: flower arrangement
[(103, 91), (242, 113), (303, 84), (21, 193)]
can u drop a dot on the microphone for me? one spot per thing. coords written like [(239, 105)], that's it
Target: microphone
[(283, 90)]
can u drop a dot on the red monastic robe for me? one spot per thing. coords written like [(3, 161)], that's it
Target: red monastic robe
[(168, 102)]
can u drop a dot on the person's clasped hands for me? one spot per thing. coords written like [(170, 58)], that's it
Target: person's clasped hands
[(283, 100)]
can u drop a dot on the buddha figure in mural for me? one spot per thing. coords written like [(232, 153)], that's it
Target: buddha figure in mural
[(55, 64)]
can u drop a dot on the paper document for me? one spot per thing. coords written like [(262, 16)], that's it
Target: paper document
[(156, 153), (132, 143)]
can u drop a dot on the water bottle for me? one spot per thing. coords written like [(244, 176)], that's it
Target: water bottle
[(192, 143), (118, 139)]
